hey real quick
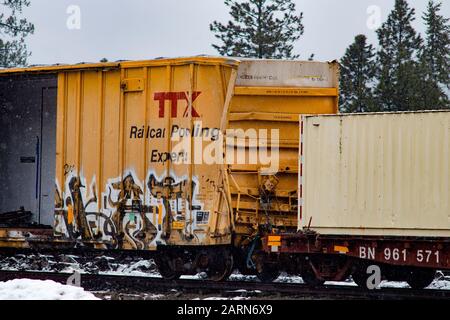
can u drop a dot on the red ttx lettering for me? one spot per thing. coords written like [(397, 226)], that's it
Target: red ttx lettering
[(174, 97)]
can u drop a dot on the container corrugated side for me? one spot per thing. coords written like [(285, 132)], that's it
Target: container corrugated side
[(377, 174)]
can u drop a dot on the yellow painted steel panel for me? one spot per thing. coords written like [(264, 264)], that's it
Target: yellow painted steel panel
[(284, 104), (281, 91), (113, 126), (270, 96), (377, 174), (122, 178)]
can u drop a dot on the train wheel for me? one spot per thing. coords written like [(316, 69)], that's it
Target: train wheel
[(266, 271), (310, 278), (222, 266), (169, 274), (421, 279), (267, 275), (165, 269)]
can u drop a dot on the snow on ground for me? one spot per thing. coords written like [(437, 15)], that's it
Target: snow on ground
[(341, 283), (26, 289), (393, 284), (284, 278), (106, 295), (146, 268), (142, 268), (440, 284), (443, 284), (223, 298)]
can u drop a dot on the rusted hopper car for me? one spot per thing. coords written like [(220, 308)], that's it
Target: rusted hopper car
[(133, 156)]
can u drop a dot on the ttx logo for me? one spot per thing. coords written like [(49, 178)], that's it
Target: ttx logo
[(174, 98)]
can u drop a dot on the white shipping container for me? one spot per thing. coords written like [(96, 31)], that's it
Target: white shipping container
[(384, 174)]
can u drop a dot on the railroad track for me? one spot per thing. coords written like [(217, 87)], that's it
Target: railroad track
[(137, 284)]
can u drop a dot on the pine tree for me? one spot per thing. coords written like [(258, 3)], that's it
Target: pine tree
[(398, 72), (13, 31), (435, 59), (357, 77), (259, 29)]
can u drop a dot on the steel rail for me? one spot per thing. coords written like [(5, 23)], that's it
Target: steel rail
[(139, 284)]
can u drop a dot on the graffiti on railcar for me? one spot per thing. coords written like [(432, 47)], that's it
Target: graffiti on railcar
[(72, 209), (128, 217), (128, 214)]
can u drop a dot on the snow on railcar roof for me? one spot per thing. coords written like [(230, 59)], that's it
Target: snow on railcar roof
[(202, 59)]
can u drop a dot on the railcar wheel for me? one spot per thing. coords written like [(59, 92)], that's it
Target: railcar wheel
[(267, 275), (165, 269), (169, 274), (310, 278), (222, 266), (266, 271), (420, 279)]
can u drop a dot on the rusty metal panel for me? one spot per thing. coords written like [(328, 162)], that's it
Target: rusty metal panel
[(122, 177), (53, 69), (401, 251), (287, 73), (377, 174)]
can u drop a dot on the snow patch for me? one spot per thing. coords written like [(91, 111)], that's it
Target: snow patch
[(283, 278), (27, 289), (394, 284), (440, 284), (223, 298), (341, 283)]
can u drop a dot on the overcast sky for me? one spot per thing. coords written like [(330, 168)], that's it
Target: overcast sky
[(144, 29)]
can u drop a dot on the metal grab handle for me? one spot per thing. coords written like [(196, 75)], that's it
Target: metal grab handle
[(38, 148)]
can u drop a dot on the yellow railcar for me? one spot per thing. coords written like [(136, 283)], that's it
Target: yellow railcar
[(135, 155)]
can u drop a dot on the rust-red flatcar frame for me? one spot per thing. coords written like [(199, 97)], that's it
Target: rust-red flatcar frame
[(399, 251)]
